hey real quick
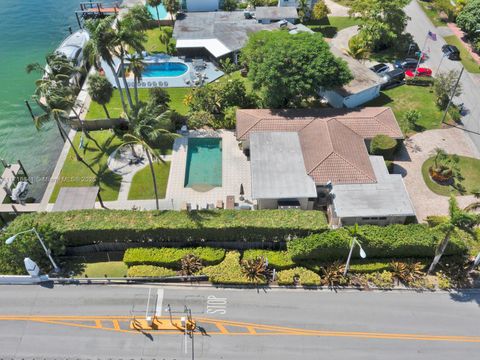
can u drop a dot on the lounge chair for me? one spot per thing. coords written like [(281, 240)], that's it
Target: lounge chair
[(166, 84), (160, 83), (219, 204)]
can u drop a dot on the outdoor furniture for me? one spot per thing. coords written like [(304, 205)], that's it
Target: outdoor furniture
[(154, 83), (166, 84), (230, 203), (219, 204), (160, 83)]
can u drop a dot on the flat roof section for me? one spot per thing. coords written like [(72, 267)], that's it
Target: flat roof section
[(276, 12), (277, 167), (387, 197)]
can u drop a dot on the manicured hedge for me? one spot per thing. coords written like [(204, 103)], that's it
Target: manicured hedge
[(276, 259), (149, 271), (93, 226), (394, 241), (171, 257), (306, 277), (229, 271)]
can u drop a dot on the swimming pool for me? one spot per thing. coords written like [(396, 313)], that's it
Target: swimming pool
[(204, 162), (167, 69), (162, 13)]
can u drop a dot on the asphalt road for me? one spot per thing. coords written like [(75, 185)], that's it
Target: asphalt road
[(92, 322), (418, 26)]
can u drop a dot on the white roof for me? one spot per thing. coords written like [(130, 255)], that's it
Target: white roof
[(277, 167), (387, 197), (214, 46)]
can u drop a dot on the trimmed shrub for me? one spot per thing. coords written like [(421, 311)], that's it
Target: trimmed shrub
[(278, 260), (149, 271), (383, 145), (435, 220), (369, 267), (87, 227), (305, 277), (171, 257), (419, 81), (229, 271), (393, 241)]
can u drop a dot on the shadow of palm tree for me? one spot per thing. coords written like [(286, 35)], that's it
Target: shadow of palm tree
[(466, 296)]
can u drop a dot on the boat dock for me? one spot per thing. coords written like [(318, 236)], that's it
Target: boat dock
[(95, 10)]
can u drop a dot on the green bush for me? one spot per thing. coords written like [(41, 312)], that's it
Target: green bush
[(419, 81), (229, 271), (87, 227), (171, 257), (369, 267), (149, 271), (278, 260), (306, 277), (435, 220), (383, 145), (393, 241)]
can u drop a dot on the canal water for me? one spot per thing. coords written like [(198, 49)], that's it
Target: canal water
[(29, 29)]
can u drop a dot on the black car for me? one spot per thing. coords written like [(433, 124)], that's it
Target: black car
[(451, 52), (393, 78), (406, 64), (380, 69)]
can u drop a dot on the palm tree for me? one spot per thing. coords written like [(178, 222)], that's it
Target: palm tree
[(458, 220), (172, 7), (103, 40), (165, 37), (138, 18), (136, 66), (155, 4), (100, 90), (476, 204)]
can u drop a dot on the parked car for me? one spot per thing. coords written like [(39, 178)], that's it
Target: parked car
[(408, 63), (420, 72), (393, 78), (451, 52), (380, 69)]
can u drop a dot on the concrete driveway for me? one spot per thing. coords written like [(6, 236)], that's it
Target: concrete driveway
[(419, 148)]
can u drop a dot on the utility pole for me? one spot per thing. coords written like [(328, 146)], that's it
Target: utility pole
[(452, 95)]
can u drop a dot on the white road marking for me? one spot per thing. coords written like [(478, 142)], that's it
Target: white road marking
[(158, 309)]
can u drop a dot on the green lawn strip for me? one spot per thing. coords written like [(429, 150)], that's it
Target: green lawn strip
[(177, 96), (76, 174), (100, 269), (142, 183), (329, 27), (470, 170), (467, 60), (408, 97)]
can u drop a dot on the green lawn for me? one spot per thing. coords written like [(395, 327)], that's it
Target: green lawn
[(177, 95), (409, 97), (153, 44), (469, 169), (100, 269), (142, 183), (467, 60), (76, 174), (333, 24), (431, 12)]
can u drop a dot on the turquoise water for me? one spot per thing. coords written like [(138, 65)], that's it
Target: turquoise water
[(162, 13), (29, 29), (169, 69), (204, 162)]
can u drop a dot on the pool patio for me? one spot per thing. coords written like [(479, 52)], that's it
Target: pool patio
[(235, 172)]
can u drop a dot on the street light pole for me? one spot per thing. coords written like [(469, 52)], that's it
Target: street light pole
[(438, 68), (48, 252), (363, 255)]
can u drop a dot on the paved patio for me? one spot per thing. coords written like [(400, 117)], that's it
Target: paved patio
[(419, 148), (337, 9), (235, 172)]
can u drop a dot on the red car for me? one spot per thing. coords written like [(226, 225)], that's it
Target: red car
[(420, 72)]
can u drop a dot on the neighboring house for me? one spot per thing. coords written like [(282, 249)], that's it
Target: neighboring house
[(364, 87), (310, 158), (220, 34), (269, 14), (200, 5)]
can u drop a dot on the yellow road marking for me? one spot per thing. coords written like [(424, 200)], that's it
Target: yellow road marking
[(250, 329)]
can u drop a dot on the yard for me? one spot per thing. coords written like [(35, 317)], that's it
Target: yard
[(153, 44), (100, 269), (333, 24), (142, 183), (76, 174), (177, 95), (469, 169), (408, 97), (467, 60)]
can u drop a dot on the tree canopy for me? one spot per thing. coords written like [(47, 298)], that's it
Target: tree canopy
[(469, 18), (287, 69)]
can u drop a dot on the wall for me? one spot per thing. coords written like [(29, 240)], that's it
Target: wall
[(273, 204), (202, 5), (362, 97), (333, 98)]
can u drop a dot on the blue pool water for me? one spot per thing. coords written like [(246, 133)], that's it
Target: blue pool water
[(204, 162), (168, 69), (162, 13)]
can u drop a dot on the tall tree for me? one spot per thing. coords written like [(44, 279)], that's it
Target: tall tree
[(458, 220), (288, 69), (155, 4), (100, 90), (172, 7), (136, 66), (103, 41), (469, 19), (138, 18), (444, 85), (320, 10)]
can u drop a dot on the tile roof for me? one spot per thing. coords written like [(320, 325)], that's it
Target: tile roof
[(332, 140)]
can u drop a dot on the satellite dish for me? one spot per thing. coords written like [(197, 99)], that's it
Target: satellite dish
[(31, 267)]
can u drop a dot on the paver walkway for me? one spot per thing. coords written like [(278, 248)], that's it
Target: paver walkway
[(337, 9), (419, 148)]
